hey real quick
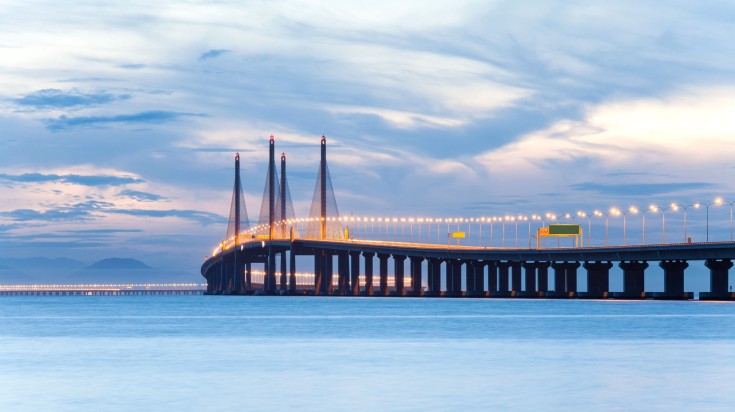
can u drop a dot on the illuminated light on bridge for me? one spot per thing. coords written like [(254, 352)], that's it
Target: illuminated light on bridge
[(105, 289), (411, 250)]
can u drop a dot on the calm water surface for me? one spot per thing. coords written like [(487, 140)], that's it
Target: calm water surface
[(219, 353)]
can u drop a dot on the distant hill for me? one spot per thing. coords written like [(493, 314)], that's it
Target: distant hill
[(11, 276), (119, 263), (126, 270), (38, 269)]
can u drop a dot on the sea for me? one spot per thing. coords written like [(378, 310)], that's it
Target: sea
[(270, 353)]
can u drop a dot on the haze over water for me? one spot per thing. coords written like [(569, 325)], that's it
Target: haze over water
[(193, 353)]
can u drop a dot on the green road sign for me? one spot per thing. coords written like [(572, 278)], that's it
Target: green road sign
[(565, 229)]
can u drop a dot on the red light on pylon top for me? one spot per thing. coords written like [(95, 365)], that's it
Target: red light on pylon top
[(237, 156), (283, 155), (324, 140), (272, 139)]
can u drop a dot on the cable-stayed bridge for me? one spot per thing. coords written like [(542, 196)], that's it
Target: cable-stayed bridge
[(477, 257)]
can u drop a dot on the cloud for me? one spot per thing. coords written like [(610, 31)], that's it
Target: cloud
[(212, 54), (198, 216), (142, 196), (131, 66), (637, 189), (152, 117), (103, 231), (65, 99), (84, 180), (220, 150)]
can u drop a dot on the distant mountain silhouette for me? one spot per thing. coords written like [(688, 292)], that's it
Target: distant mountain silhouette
[(38, 269), (118, 263), (11, 276)]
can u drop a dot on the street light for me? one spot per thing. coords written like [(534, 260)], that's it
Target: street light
[(720, 201), (614, 212), (653, 209), (707, 207), (632, 210), (695, 205)]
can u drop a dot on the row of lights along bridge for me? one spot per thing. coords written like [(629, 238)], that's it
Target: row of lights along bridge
[(387, 228)]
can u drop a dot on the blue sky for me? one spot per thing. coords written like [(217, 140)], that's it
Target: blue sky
[(119, 120)]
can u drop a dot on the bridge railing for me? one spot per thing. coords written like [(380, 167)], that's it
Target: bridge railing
[(513, 232)]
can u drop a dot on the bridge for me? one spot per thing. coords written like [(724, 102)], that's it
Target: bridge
[(103, 289), (419, 256)]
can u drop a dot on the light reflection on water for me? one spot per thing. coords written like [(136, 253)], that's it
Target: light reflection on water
[(193, 353)]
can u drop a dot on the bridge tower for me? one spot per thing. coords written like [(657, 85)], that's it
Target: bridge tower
[(238, 216), (324, 214)]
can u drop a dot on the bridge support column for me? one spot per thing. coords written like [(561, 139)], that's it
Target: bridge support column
[(515, 268), (633, 280), (355, 273), (318, 271), (328, 276), (718, 280), (383, 272), (492, 276), (240, 277), (248, 276), (470, 277), (448, 276), (271, 271), (480, 277), (416, 275), (457, 277), (398, 274), (343, 273), (292, 270), (543, 276), (284, 279), (598, 279), (530, 269), (673, 280), (571, 277), (369, 289), (503, 278), (560, 277)]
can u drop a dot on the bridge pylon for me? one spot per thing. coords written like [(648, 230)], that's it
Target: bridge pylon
[(324, 214)]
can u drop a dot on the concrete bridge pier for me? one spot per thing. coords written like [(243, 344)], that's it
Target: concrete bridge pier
[(318, 271), (292, 271), (633, 280), (383, 273), (515, 268), (492, 276), (369, 288), (565, 279), (598, 280), (343, 273), (673, 281), (355, 273), (529, 269), (284, 279), (470, 277), (718, 280), (240, 287), (479, 274), (433, 277), (416, 275), (457, 278), (543, 277), (328, 276), (398, 275), (503, 274), (248, 277)]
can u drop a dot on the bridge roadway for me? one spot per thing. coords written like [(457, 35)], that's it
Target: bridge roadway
[(469, 271)]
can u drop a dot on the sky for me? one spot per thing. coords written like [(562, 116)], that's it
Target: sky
[(119, 120)]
